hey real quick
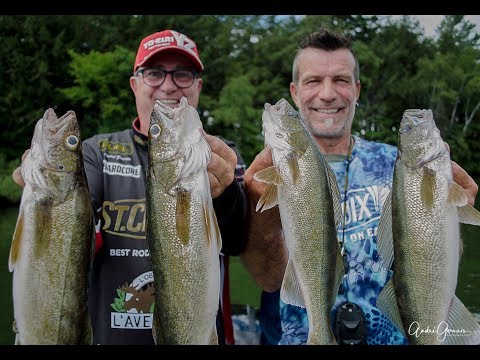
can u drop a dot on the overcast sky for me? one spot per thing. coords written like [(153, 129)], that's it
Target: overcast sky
[(430, 22)]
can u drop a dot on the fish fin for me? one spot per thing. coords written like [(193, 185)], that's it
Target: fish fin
[(208, 224), (291, 292), (16, 241), (269, 198), (336, 198), (213, 231), (427, 187), (468, 215), (456, 195), (269, 175), (182, 216), (385, 234), (31, 172), (292, 163), (197, 156), (217, 230), (460, 319), (387, 304)]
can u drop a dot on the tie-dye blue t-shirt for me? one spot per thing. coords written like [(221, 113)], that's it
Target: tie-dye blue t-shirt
[(370, 174)]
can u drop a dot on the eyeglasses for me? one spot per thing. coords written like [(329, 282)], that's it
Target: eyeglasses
[(156, 77)]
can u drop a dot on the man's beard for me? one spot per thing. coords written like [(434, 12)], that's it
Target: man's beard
[(333, 133)]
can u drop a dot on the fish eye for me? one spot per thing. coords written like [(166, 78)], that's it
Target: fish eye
[(155, 131), (279, 135), (292, 113), (405, 129), (72, 142)]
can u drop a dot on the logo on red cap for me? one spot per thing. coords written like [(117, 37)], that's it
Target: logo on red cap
[(167, 40)]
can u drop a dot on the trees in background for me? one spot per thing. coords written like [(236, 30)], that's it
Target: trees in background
[(83, 63)]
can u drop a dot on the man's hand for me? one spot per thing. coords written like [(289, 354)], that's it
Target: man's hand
[(461, 177), (221, 168), (17, 173), (269, 219), (265, 256), (254, 188)]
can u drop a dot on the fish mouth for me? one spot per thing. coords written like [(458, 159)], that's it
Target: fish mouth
[(50, 118), (170, 107), (416, 116), (426, 140), (54, 125), (53, 131), (281, 115)]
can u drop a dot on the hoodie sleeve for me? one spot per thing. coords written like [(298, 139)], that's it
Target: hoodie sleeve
[(231, 210)]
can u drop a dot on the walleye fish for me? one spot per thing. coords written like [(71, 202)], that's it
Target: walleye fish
[(419, 232), (182, 230), (305, 189), (52, 244)]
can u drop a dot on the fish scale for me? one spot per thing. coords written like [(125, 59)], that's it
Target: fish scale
[(52, 245), (419, 232), (181, 228), (305, 189)]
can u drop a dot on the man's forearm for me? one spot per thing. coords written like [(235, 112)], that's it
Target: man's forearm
[(265, 256)]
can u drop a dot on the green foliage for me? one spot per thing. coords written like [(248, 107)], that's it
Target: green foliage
[(101, 89), (10, 192), (243, 287), (455, 32), (386, 68), (449, 85), (83, 63), (239, 120)]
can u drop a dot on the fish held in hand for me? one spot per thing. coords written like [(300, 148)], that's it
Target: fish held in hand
[(53, 241), (182, 230), (304, 187), (419, 233)]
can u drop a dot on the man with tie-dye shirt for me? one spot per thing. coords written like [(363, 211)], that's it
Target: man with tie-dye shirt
[(368, 170), (325, 87)]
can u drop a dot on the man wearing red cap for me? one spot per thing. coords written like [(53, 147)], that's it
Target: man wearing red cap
[(167, 67), (121, 294)]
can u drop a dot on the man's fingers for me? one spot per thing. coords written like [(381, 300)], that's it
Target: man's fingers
[(25, 153), (221, 149), (461, 177), (447, 146), (17, 176), (17, 173), (253, 188), (221, 168), (261, 161), (215, 186)]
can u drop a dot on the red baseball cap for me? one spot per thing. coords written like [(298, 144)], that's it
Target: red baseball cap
[(167, 40)]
